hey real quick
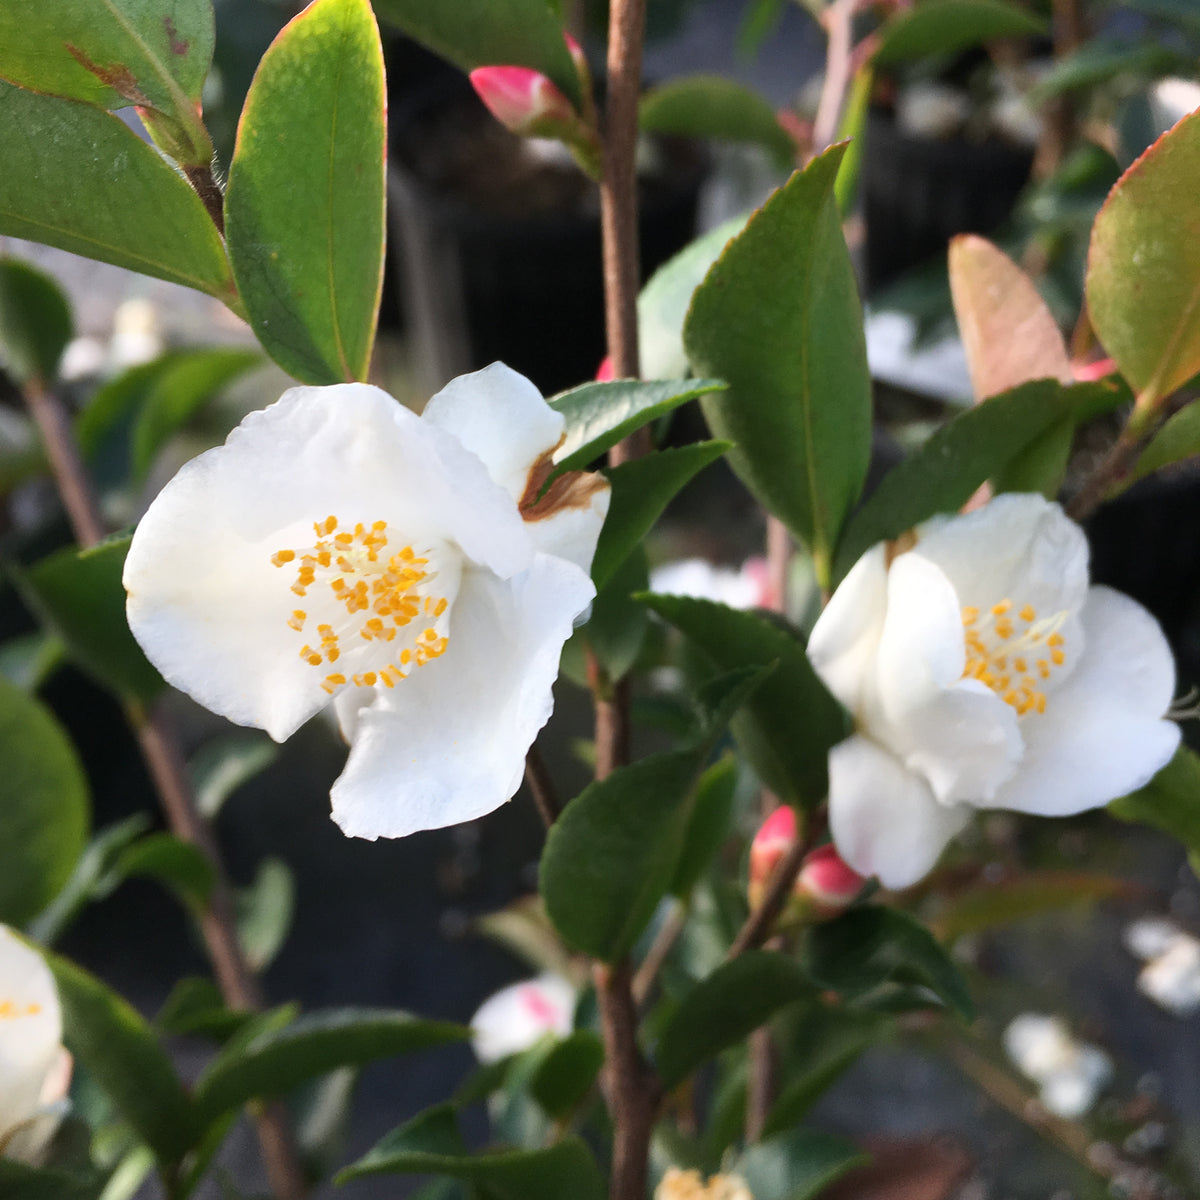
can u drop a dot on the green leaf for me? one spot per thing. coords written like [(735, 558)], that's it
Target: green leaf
[(712, 815), (481, 33), (726, 1008), (1170, 801), (599, 415), (186, 383), (778, 317), (80, 179), (221, 766), (280, 1059), (80, 595), (21, 1182), (430, 1144), (304, 209), (797, 1166), (711, 106), (568, 1073), (641, 489), (179, 865), (663, 302), (1143, 278), (119, 1050), (1177, 440), (35, 321), (788, 726), (264, 912), (865, 948), (45, 814), (30, 659), (947, 26), (977, 445), (616, 629), (196, 1006)]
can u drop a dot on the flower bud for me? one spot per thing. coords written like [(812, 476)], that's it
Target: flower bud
[(771, 843), (824, 886), (827, 882), (524, 101)]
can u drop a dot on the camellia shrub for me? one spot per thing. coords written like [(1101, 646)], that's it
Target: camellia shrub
[(899, 661)]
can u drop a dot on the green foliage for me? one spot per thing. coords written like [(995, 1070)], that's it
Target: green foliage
[(1170, 801), (181, 866), (599, 415), (305, 206), (1177, 440), (712, 815), (81, 597), (21, 1182), (119, 1050), (281, 1055), (264, 912), (223, 765), (641, 489), (46, 810), (616, 629), (1143, 280), (948, 26), (778, 317), (30, 659), (480, 33), (711, 106), (798, 1165), (195, 1006), (727, 1007), (35, 322), (431, 1144), (78, 178), (567, 1073), (866, 949), (790, 723)]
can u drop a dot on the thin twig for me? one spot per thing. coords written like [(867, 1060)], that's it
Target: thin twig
[(541, 786), (1113, 468), (165, 764), (204, 184), (660, 948), (838, 21)]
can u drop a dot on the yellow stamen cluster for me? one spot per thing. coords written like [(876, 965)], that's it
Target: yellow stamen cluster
[(362, 579), (1013, 653), (690, 1185), (10, 1011)]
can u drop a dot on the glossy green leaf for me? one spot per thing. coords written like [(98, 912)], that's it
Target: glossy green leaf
[(45, 814), (711, 106), (1177, 440), (30, 659), (947, 26), (616, 630), (778, 318), (481, 33), (279, 1059), (264, 912), (18, 1181), (599, 415), (866, 948), (35, 322), (1143, 277), (78, 178), (196, 1006), (664, 301), (185, 384), (568, 1073), (641, 489), (798, 1165), (1170, 801), (1100, 60), (726, 1008), (221, 766), (430, 1144), (788, 726), (179, 865), (712, 816), (113, 1043), (977, 445), (81, 596), (304, 209)]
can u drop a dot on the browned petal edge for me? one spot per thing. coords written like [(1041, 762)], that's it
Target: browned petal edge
[(898, 546), (572, 489)]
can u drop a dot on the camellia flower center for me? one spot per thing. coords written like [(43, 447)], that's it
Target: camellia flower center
[(358, 589), (1013, 652)]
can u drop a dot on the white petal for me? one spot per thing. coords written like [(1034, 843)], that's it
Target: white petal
[(515, 1017), (501, 417), (1103, 733), (205, 601), (845, 639), (448, 743), (960, 736), (572, 532), (884, 819), (1018, 546)]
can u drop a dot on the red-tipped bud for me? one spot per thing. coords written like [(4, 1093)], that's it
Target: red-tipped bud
[(1090, 372), (605, 372), (771, 843), (524, 101), (827, 882)]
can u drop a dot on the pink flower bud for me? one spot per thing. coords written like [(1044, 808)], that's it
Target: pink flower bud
[(1090, 372), (604, 372), (771, 843), (827, 881), (524, 101), (825, 884)]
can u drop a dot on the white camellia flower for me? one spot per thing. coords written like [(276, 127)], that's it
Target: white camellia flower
[(410, 569), (1069, 1073), (516, 1017), (35, 1070), (983, 672)]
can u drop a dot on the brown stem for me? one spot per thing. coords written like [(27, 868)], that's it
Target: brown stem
[(838, 21), (779, 557), (662, 946), (1115, 465), (541, 786), (632, 1089), (760, 1083), (1060, 119), (204, 184), (165, 764)]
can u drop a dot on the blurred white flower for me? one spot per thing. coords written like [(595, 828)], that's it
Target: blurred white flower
[(983, 672), (931, 110), (35, 1070), (408, 569), (1171, 976), (516, 1017), (743, 588), (1069, 1073)]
